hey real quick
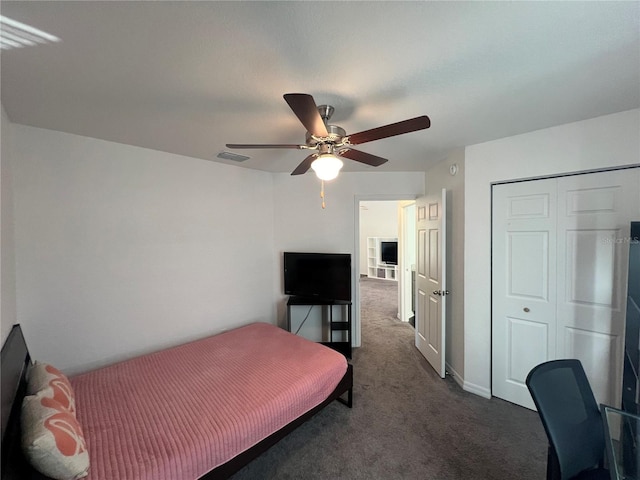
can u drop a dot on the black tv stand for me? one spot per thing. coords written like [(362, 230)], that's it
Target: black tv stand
[(343, 346)]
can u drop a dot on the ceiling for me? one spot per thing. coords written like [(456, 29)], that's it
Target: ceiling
[(189, 77)]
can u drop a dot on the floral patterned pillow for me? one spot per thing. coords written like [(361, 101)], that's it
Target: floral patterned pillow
[(47, 379), (52, 439)]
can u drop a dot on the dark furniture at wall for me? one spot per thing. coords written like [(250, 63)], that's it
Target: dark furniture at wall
[(571, 418), (621, 438), (630, 384), (336, 327)]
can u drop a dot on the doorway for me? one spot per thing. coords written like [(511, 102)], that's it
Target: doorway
[(382, 219), (408, 246)]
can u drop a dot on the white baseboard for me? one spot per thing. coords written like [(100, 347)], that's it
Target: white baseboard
[(477, 389), (467, 386), (455, 375)]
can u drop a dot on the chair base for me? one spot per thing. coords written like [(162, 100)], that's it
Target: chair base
[(595, 474), (553, 470)]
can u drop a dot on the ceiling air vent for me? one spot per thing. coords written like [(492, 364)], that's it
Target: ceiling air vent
[(234, 157)]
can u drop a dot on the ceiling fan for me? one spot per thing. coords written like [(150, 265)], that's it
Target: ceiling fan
[(330, 141)]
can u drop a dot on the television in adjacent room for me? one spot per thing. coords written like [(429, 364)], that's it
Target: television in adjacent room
[(320, 276), (389, 253)]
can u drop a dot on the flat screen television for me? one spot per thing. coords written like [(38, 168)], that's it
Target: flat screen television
[(321, 276), (389, 252)]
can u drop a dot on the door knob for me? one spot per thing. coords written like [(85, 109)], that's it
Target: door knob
[(437, 292)]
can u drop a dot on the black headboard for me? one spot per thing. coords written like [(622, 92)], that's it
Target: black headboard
[(15, 360)]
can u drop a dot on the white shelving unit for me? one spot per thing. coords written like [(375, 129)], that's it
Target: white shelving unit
[(375, 267)]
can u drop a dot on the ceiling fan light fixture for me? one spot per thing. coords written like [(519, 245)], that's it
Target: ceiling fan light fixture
[(327, 166)]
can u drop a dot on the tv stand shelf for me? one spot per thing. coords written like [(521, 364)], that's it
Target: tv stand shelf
[(376, 268), (343, 325)]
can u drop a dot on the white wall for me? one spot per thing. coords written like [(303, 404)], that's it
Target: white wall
[(437, 178), (377, 219), (122, 250), (607, 141), (8, 315), (302, 225)]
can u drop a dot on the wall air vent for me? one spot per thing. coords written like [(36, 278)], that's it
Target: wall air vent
[(234, 157), (14, 34)]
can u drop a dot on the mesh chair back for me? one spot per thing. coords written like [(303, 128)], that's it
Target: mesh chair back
[(569, 413)]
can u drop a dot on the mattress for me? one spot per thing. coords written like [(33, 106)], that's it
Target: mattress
[(179, 413)]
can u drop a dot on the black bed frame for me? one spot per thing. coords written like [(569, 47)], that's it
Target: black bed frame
[(15, 359)]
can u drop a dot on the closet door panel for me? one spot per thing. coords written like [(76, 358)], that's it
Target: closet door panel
[(523, 285), (594, 213)]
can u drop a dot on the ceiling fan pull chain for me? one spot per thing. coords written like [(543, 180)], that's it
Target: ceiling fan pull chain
[(322, 192)]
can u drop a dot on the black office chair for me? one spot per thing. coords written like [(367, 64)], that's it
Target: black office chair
[(571, 418)]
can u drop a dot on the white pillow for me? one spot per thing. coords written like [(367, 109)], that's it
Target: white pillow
[(52, 439), (42, 377)]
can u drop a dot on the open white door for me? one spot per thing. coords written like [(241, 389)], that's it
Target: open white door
[(431, 289)]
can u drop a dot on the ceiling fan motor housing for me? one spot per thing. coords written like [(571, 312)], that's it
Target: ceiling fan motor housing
[(326, 111), (336, 134)]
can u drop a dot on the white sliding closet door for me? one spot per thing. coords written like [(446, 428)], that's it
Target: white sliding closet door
[(559, 275), (523, 284), (594, 213)]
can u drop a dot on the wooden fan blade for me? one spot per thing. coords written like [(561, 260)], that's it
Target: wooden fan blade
[(362, 157), (391, 130), (255, 145), (304, 106), (305, 165)]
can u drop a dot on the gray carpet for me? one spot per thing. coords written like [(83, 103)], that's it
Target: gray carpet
[(406, 422)]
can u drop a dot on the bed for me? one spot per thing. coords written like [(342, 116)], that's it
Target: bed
[(199, 410)]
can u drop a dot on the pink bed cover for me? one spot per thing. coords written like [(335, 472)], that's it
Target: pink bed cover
[(179, 413)]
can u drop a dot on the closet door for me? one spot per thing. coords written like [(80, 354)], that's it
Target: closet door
[(523, 284), (559, 269), (594, 213)]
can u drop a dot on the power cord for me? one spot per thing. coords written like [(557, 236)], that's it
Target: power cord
[(305, 318)]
